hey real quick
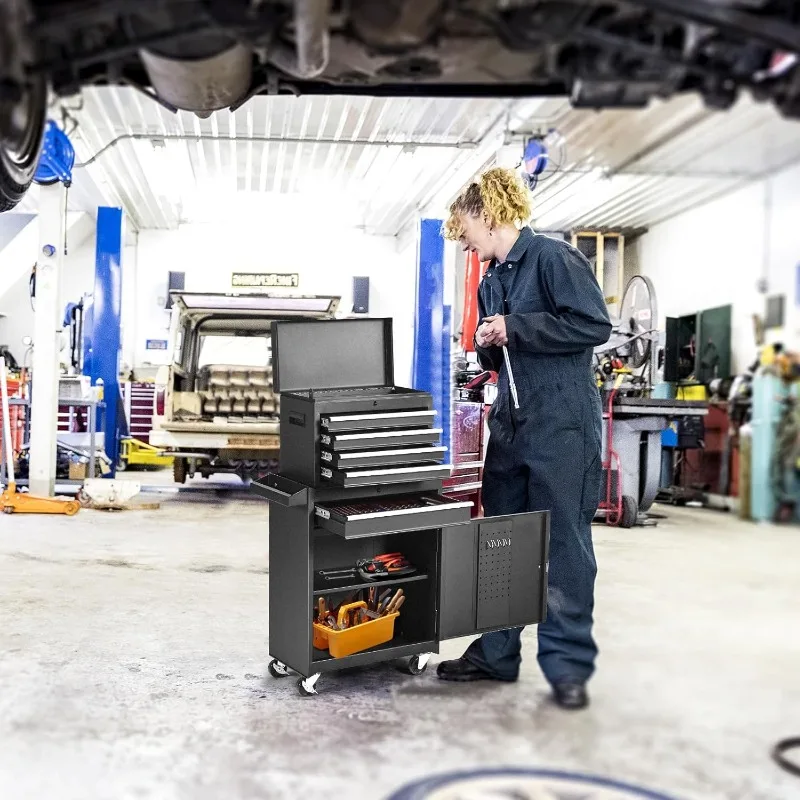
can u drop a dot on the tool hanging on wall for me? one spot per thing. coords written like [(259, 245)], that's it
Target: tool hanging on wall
[(543, 156), (73, 322)]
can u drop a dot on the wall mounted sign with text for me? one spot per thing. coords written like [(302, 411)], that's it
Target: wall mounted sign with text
[(265, 280), (156, 344)]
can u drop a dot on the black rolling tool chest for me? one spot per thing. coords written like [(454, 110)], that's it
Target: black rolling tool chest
[(361, 473)]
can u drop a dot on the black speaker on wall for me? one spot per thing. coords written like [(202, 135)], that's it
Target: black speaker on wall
[(176, 282), (361, 295)]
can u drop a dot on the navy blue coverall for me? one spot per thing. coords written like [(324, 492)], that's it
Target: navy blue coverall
[(546, 455)]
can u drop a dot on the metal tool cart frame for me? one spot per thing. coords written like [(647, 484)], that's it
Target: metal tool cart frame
[(473, 575)]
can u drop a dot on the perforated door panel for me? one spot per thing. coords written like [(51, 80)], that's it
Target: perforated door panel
[(493, 574), (495, 562)]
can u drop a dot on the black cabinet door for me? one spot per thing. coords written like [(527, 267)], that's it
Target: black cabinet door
[(714, 344), (493, 574)]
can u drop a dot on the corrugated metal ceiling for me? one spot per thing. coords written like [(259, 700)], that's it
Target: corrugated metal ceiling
[(624, 169), (633, 169), (323, 146)]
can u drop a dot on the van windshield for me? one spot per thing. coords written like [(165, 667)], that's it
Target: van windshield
[(236, 351)]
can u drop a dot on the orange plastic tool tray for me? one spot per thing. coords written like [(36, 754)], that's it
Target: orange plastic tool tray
[(356, 639)]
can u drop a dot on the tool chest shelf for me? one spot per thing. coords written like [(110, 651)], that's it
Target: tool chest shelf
[(330, 514), (332, 587), (396, 649)]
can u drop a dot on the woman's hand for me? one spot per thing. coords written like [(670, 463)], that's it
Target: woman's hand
[(492, 332)]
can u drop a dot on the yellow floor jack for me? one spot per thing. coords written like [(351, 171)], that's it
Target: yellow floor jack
[(12, 501)]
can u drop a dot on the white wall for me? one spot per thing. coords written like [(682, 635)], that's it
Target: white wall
[(77, 278), (715, 255), (326, 256)]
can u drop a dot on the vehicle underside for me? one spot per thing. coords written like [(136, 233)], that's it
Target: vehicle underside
[(204, 55)]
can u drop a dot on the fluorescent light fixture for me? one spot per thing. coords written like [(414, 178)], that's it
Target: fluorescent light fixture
[(166, 168)]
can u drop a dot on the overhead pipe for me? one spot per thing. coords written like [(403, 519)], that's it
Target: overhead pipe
[(198, 137)]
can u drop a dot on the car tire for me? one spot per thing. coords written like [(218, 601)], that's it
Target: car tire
[(179, 470), (19, 152)]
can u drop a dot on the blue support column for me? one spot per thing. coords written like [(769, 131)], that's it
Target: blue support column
[(431, 369), (102, 323)]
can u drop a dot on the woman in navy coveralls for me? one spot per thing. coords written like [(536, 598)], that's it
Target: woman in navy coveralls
[(540, 299)]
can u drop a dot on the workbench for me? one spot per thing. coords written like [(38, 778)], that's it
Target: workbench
[(638, 425)]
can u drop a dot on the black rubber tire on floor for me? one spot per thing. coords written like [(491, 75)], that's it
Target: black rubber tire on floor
[(17, 169), (179, 470), (630, 512)]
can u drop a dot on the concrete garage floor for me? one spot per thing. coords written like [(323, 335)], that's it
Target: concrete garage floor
[(133, 651)]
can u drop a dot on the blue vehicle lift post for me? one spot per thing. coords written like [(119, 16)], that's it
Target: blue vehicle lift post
[(102, 327), (432, 319)]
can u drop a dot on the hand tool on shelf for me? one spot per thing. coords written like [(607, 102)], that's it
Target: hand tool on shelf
[(390, 607), (398, 605), (396, 564)]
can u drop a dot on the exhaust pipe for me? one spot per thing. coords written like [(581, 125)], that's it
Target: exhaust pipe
[(312, 41)]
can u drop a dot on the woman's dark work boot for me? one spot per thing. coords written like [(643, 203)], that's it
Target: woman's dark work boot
[(571, 696), (462, 671)]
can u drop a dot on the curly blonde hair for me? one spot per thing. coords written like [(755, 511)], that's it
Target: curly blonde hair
[(499, 194)]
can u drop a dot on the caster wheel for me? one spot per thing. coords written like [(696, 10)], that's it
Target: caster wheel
[(630, 512), (277, 670), (72, 508), (417, 665), (304, 689)]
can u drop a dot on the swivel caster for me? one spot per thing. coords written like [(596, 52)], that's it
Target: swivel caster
[(277, 669), (307, 686), (418, 664)]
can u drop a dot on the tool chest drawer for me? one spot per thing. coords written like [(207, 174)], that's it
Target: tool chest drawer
[(379, 440), (382, 458), (361, 422), (360, 518), (376, 477)]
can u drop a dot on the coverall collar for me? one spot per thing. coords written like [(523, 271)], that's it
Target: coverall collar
[(517, 252), (520, 246)]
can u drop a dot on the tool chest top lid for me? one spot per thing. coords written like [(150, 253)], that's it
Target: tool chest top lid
[(332, 354)]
